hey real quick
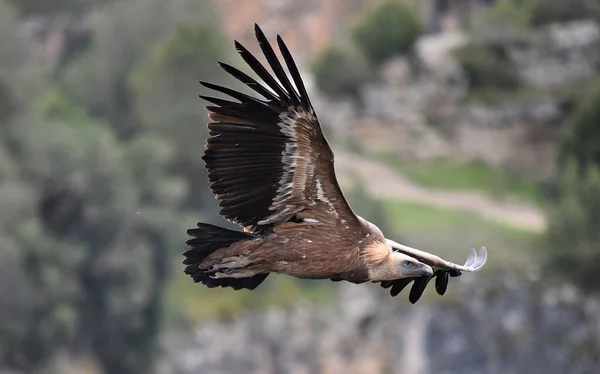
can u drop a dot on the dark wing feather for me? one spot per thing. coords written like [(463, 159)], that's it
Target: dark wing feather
[(420, 283), (268, 159), (244, 78), (277, 68), (287, 56)]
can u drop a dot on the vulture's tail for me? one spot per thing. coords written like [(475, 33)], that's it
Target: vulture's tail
[(207, 239)]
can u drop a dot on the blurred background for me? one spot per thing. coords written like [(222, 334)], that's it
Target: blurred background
[(455, 123)]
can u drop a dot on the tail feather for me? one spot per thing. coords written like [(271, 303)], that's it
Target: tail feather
[(206, 239)]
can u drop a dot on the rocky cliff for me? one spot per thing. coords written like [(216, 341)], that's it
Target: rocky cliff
[(425, 112), (506, 326)]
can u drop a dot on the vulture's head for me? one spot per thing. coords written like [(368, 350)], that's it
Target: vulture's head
[(405, 266), (385, 263)]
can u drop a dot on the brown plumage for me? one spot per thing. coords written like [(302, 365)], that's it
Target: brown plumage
[(272, 171)]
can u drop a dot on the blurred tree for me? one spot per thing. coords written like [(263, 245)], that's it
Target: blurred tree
[(98, 80), (573, 235), (581, 142), (504, 20), (165, 87), (340, 71), (105, 212), (89, 201), (487, 68), (389, 28), (544, 12), (538, 13), (7, 102), (485, 61)]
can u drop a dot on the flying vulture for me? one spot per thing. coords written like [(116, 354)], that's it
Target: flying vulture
[(272, 171)]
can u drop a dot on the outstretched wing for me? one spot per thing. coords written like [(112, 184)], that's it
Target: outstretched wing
[(442, 271), (268, 159)]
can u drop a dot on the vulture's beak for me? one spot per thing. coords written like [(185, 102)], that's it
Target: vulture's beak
[(424, 270)]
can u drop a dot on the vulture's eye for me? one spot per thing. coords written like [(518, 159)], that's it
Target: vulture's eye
[(407, 263)]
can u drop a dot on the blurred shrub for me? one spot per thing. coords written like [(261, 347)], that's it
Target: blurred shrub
[(54, 105), (340, 70), (508, 11), (573, 235), (107, 213), (537, 13), (505, 20), (7, 102), (544, 12), (487, 68), (124, 33), (389, 28), (581, 142), (572, 240), (165, 96), (89, 201)]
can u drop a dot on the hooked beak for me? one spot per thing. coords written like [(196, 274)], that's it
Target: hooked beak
[(424, 270)]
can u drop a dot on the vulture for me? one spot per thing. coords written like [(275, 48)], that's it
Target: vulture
[(272, 171)]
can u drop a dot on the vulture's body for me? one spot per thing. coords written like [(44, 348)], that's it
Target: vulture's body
[(272, 171)]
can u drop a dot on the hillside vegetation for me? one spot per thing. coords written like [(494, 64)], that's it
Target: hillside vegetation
[(101, 174)]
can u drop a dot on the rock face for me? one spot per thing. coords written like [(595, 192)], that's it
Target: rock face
[(508, 326), (562, 55), (418, 109), (307, 26)]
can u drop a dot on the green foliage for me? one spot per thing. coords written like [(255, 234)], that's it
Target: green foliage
[(467, 176), (103, 263), (188, 48), (197, 304), (572, 241), (56, 106), (505, 21), (581, 141), (489, 71), (543, 12), (165, 87), (162, 80), (537, 13), (487, 68), (99, 79), (90, 217), (7, 103), (340, 71), (389, 28), (506, 13), (573, 237)]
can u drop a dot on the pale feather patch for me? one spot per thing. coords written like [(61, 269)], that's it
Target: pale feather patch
[(321, 197), (376, 253), (321, 194), (293, 173)]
